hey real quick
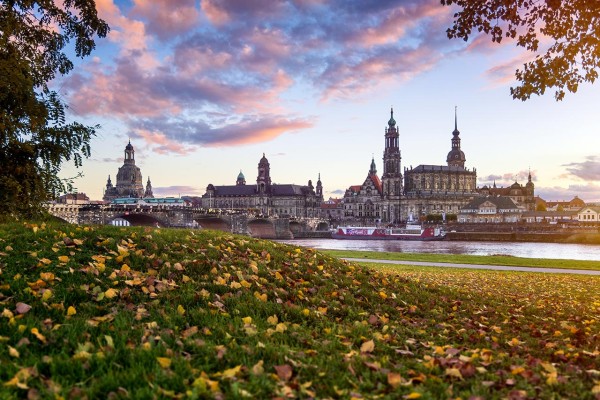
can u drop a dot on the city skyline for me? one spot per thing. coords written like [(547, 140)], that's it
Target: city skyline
[(204, 89)]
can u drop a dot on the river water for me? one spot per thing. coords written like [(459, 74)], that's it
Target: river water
[(530, 250)]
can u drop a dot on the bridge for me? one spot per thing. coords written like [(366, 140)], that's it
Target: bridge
[(188, 217)]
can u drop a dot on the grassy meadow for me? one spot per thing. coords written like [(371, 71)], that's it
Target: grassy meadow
[(106, 312)]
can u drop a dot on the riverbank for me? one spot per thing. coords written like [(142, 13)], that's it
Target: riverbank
[(496, 259), (524, 236)]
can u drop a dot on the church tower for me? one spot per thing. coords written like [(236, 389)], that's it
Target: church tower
[(319, 187), (392, 177), (263, 181), (456, 157), (241, 179), (148, 193)]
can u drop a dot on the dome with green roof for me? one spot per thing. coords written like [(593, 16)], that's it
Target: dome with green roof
[(392, 121)]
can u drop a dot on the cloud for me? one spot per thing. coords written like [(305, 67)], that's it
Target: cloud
[(176, 191), (588, 170), (507, 178), (250, 129), (167, 18), (589, 192), (227, 73), (337, 192)]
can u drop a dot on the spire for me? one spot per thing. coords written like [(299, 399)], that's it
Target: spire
[(392, 121), (456, 131), (373, 169), (148, 193)]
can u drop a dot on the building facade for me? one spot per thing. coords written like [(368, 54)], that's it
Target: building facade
[(129, 180), (266, 198), (490, 209), (522, 195), (425, 189)]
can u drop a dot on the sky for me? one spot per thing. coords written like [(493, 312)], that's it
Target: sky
[(204, 88)]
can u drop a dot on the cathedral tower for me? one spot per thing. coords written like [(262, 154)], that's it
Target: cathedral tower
[(456, 157), (392, 176)]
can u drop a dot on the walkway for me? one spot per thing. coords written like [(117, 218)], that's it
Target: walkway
[(479, 266)]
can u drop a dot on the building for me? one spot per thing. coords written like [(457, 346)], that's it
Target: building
[(574, 204), (522, 195), (490, 209), (332, 209), (74, 198), (266, 198), (129, 180), (420, 191), (363, 203), (589, 215)]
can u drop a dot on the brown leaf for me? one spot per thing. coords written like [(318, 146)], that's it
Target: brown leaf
[(284, 372)]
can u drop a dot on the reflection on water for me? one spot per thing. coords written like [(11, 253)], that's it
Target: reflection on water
[(530, 250)]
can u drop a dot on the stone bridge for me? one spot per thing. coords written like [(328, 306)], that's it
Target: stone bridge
[(187, 217)]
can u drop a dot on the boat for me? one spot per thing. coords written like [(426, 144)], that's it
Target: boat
[(410, 232)]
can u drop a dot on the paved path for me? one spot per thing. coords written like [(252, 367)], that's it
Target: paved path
[(480, 266)]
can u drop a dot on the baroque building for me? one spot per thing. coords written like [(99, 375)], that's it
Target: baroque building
[(440, 189), (522, 195), (265, 197), (129, 180), (415, 192)]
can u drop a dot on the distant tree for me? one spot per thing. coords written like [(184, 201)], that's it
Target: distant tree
[(570, 25), (35, 138), (540, 207), (560, 208)]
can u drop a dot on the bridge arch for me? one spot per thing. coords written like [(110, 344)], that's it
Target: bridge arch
[(261, 228), (295, 227), (322, 226), (214, 223)]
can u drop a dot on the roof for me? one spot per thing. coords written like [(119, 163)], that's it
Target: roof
[(437, 168), (377, 182), (501, 203), (250, 190)]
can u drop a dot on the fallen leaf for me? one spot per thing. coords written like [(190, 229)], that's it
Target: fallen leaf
[(22, 308), (71, 311), (164, 362), (284, 372), (367, 347)]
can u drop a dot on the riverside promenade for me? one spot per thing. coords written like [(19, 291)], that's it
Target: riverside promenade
[(479, 266)]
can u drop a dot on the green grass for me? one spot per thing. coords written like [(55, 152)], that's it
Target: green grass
[(159, 313), (467, 259)]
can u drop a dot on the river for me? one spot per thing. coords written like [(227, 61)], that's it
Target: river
[(529, 250)]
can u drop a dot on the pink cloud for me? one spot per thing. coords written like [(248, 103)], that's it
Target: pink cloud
[(397, 22), (215, 14), (160, 143), (167, 18)]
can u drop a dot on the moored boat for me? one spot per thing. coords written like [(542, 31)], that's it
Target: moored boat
[(410, 232)]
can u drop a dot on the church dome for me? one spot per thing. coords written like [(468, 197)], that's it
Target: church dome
[(456, 155), (241, 176), (129, 146)]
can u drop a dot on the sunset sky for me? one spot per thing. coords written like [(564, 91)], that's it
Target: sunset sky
[(204, 88)]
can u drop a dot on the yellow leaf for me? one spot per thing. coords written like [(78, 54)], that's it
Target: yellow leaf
[(45, 261), (13, 352), (164, 362), (454, 372), (71, 311), (367, 347), (281, 327), (278, 276), (63, 259), (247, 320), (322, 310), (273, 320), (231, 372), (235, 285), (548, 367), (180, 310), (258, 368), (110, 293), (38, 335), (412, 395), (47, 276), (306, 312), (47, 294), (125, 268), (261, 297)]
